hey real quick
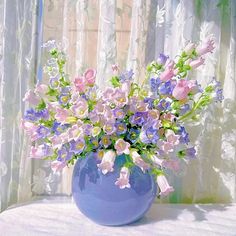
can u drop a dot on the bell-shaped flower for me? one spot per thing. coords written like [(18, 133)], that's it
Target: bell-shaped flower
[(196, 63), (206, 47), (172, 137), (189, 48), (164, 186), (137, 159), (80, 109), (57, 165), (109, 128), (62, 115), (90, 75), (181, 90), (80, 84), (31, 97), (123, 180), (122, 147), (40, 151), (107, 162), (168, 73), (120, 98)]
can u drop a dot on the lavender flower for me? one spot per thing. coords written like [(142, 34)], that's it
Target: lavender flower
[(167, 88), (183, 135), (162, 59), (64, 154), (127, 75), (42, 131), (54, 83), (43, 114), (133, 135), (121, 128), (184, 109), (139, 118), (58, 128), (154, 84), (77, 146), (64, 99), (164, 104)]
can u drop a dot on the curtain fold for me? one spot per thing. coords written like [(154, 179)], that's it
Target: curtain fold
[(18, 52)]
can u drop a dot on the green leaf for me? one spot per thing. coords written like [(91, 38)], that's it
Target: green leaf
[(115, 81), (52, 92), (41, 105)]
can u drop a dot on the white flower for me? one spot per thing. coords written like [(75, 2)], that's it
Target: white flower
[(107, 162), (123, 180)]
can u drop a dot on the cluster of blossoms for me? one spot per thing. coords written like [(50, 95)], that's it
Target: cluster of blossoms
[(70, 119)]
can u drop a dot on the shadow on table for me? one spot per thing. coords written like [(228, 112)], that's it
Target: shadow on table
[(166, 212)]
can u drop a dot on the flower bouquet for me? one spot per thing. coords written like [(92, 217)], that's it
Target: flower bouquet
[(128, 133)]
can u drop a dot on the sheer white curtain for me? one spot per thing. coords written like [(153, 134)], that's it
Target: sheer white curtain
[(130, 33), (19, 34)]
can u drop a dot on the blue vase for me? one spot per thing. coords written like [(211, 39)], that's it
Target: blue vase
[(98, 198)]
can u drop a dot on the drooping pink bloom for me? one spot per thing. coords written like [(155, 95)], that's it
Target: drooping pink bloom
[(194, 87), (107, 162), (196, 63), (164, 185), (172, 137), (157, 160), (61, 115), (181, 90), (29, 127), (189, 48), (206, 47), (122, 147), (168, 73), (137, 159), (57, 165), (90, 75), (31, 97), (80, 84), (123, 180), (41, 89), (40, 151), (167, 147)]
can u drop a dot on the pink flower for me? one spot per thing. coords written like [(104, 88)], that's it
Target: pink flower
[(122, 147), (167, 147), (31, 97), (57, 142), (168, 73), (80, 84), (57, 165), (74, 132), (80, 109), (41, 89), (137, 159), (30, 128), (168, 116), (189, 48), (196, 63), (181, 90), (123, 180), (108, 94), (109, 128), (194, 87), (115, 68), (164, 185), (61, 115), (154, 114), (206, 47), (172, 137), (107, 162), (90, 75), (40, 151)]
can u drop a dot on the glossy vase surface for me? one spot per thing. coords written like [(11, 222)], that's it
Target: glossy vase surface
[(98, 198)]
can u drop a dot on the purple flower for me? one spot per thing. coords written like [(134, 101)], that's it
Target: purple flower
[(183, 135), (64, 154), (154, 84), (133, 135), (184, 109), (64, 98), (43, 114), (43, 131), (150, 135), (190, 152), (54, 83), (31, 115), (105, 141), (121, 128), (163, 104), (166, 88), (118, 113), (150, 102), (65, 90), (139, 118), (127, 75), (58, 128), (95, 143), (77, 146), (162, 59)]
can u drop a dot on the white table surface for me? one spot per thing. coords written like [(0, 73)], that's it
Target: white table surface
[(59, 216)]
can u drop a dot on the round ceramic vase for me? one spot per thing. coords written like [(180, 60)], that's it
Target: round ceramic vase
[(98, 198)]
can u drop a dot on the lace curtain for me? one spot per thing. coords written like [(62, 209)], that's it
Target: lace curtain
[(132, 33)]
